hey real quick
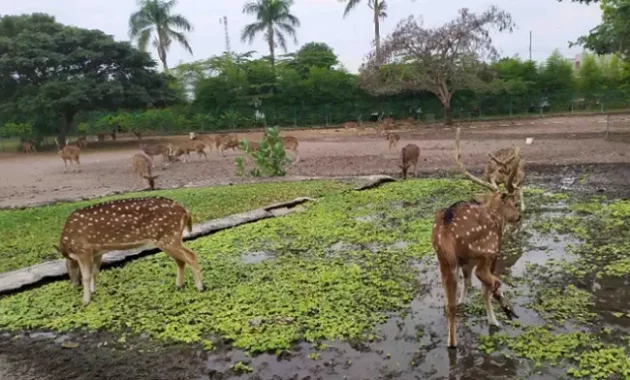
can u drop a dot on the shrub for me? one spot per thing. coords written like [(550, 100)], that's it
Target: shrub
[(269, 159)]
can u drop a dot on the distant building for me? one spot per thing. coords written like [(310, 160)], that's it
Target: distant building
[(577, 61)]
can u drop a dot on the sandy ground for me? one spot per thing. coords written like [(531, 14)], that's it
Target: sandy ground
[(32, 179)]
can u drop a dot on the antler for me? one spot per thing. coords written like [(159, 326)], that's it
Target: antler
[(509, 184), (476, 180)]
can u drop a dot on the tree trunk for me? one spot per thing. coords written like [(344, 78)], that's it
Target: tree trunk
[(162, 52), (377, 30), (66, 126), (272, 54), (448, 113)]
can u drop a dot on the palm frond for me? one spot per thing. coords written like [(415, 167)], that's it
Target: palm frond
[(350, 6), (252, 8), (282, 42), (143, 38), (287, 29), (180, 22), (250, 31), (181, 38), (288, 17)]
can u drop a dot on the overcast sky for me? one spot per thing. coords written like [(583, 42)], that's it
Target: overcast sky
[(553, 24)]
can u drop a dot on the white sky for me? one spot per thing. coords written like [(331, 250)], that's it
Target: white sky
[(553, 24)]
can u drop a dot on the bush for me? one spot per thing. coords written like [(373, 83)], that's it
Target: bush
[(269, 159)]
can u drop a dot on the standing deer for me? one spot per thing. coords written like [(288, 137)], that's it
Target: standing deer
[(190, 146), (206, 139), (468, 234), (500, 166), (142, 165), (409, 157), (69, 153), (224, 142), (291, 144), (125, 224), (393, 139), (29, 147), (155, 150)]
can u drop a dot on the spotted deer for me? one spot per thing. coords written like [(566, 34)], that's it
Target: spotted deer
[(409, 157), (206, 139), (225, 142), (69, 153), (393, 139), (125, 224), (190, 146), (501, 164), (468, 234), (156, 150), (142, 165), (291, 144)]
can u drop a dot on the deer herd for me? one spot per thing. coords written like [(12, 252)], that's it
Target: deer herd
[(466, 236)]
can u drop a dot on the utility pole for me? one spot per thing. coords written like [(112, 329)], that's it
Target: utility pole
[(224, 21), (530, 45)]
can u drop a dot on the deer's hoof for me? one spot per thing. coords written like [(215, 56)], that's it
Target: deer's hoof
[(509, 312)]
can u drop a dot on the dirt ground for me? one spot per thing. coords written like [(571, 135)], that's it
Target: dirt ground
[(39, 178)]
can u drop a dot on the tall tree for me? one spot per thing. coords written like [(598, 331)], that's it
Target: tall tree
[(155, 19), (274, 19), (312, 54), (442, 60), (613, 34), (379, 12), (556, 75), (55, 71)]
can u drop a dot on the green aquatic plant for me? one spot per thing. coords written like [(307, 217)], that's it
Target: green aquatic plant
[(27, 236)]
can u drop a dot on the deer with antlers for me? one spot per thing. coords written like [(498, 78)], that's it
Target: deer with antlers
[(468, 234), (501, 164), (69, 153), (125, 224)]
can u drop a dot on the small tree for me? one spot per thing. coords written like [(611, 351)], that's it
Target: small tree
[(442, 60), (269, 159)]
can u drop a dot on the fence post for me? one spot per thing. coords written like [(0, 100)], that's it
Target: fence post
[(326, 113), (602, 103), (511, 101), (294, 117), (1, 143), (541, 106), (607, 126)]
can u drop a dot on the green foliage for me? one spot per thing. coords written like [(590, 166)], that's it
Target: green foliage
[(560, 305), (613, 34), (589, 357), (84, 70), (269, 159), (21, 130), (27, 236), (330, 272), (313, 54), (240, 368)]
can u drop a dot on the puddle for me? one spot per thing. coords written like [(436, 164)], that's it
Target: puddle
[(256, 257)]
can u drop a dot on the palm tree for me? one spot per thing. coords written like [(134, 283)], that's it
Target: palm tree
[(273, 18), (379, 9), (154, 18)]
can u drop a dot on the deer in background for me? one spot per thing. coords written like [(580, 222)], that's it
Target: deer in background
[(225, 142), (125, 224), (500, 166), (206, 139), (69, 153), (409, 157), (142, 165), (468, 234), (81, 143), (190, 146), (291, 144), (29, 147), (156, 150), (393, 139)]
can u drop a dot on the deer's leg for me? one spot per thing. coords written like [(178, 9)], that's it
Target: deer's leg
[(95, 269), (85, 265), (181, 265), (492, 319), (65, 166), (194, 266), (467, 272), (180, 253), (78, 164), (484, 273), (520, 195), (297, 157), (449, 282)]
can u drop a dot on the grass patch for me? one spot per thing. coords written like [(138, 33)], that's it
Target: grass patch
[(27, 236), (307, 289)]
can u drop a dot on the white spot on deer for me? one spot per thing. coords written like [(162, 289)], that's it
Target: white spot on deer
[(65, 238), (465, 217), (467, 233)]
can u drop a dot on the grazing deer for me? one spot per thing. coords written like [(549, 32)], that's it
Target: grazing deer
[(291, 144), (253, 145), (207, 139), (409, 157), (29, 147), (190, 146), (468, 234), (393, 139), (225, 142), (351, 124), (500, 166), (142, 165), (125, 224), (155, 150), (69, 153)]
